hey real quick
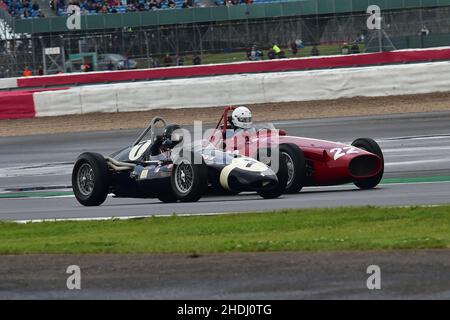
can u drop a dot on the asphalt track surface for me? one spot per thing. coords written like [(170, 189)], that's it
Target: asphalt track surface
[(415, 145)]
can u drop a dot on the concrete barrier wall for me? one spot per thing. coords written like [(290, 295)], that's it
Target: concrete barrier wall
[(247, 88), (8, 83), (278, 65)]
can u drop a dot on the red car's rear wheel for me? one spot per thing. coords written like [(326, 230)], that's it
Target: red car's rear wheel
[(296, 166)]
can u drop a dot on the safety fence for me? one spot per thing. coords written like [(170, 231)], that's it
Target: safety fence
[(227, 40)]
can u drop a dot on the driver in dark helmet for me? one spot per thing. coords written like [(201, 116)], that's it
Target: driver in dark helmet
[(164, 142)]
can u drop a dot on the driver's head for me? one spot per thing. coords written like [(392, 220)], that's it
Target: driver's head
[(168, 132), (242, 118)]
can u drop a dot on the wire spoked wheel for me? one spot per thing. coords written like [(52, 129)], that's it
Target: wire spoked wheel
[(189, 180), (184, 176), (296, 166), (90, 179), (290, 168), (85, 179)]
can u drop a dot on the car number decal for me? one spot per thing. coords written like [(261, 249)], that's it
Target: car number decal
[(137, 151), (340, 152)]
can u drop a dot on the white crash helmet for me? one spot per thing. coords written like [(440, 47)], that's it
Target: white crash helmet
[(242, 118)]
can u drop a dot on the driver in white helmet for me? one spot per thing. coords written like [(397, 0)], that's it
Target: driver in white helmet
[(241, 119)]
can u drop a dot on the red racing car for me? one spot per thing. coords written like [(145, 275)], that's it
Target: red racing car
[(310, 162)]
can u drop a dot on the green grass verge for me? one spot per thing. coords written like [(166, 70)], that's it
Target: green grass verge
[(362, 228)]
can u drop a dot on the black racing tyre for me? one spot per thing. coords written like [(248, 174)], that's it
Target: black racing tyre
[(282, 176), (189, 181), (168, 197), (296, 166), (90, 179), (371, 146)]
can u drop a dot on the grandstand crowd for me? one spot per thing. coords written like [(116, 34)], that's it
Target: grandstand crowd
[(23, 9), (119, 6), (27, 9)]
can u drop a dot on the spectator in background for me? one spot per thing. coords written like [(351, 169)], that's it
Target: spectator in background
[(360, 38), (354, 49), (35, 6), (168, 60), (26, 14), (110, 66), (276, 49), (424, 31), (197, 60), (171, 4), (131, 7), (27, 72), (294, 49), (271, 54), (40, 71), (248, 52), (188, 4), (180, 61), (254, 54), (156, 63), (85, 67), (345, 49), (315, 51), (299, 43)]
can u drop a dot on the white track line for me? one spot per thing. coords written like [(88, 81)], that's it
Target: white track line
[(423, 137), (415, 149), (180, 215), (121, 218), (405, 163)]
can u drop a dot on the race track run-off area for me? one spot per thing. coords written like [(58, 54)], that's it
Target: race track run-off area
[(36, 171)]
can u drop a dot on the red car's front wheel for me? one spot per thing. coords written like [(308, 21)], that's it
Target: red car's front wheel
[(371, 146)]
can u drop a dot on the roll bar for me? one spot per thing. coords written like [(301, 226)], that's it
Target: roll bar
[(150, 128)]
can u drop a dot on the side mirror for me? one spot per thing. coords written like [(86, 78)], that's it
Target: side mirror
[(282, 132)]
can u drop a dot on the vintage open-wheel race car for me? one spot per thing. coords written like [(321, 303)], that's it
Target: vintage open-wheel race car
[(163, 166)]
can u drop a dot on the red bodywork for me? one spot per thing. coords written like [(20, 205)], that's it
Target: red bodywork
[(328, 163)]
